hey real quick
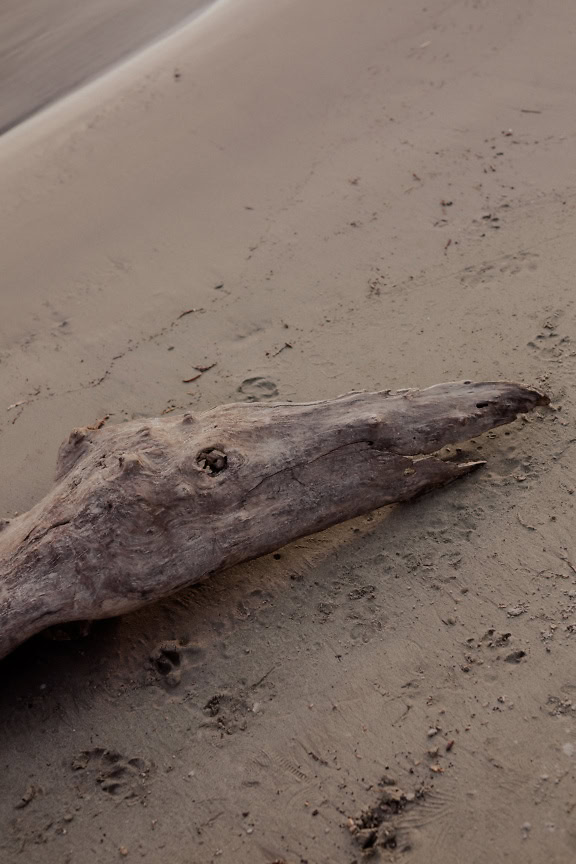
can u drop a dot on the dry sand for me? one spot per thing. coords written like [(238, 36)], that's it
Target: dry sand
[(349, 195), (48, 47)]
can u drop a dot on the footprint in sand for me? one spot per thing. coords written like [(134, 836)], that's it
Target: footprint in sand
[(257, 389)]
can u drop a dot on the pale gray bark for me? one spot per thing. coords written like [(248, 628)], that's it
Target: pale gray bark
[(144, 508)]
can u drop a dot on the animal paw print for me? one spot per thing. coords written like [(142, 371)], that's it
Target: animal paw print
[(170, 658), (507, 265), (550, 342), (227, 713), (519, 263), (500, 643), (258, 389), (166, 658), (113, 773)]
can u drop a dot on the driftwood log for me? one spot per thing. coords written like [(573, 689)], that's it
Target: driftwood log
[(144, 508)]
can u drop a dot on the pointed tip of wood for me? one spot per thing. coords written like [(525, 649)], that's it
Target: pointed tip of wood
[(467, 467)]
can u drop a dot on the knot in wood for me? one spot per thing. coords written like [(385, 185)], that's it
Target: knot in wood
[(130, 463), (211, 460)]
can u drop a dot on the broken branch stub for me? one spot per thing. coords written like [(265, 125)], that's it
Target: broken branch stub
[(144, 508)]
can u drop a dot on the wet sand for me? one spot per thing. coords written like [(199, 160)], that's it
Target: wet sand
[(349, 196)]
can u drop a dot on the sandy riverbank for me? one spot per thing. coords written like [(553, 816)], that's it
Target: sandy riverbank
[(350, 196)]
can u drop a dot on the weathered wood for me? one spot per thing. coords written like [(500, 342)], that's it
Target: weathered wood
[(144, 508)]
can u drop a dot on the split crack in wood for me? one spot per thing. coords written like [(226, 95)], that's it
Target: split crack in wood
[(144, 508)]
